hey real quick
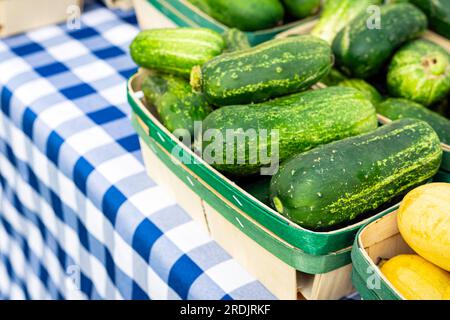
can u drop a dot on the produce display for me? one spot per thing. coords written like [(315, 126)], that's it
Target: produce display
[(304, 120), (420, 71), (337, 182), (361, 51), (395, 109), (272, 69), (321, 93)]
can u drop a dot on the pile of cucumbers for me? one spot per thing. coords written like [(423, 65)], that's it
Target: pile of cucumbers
[(253, 15), (337, 165)]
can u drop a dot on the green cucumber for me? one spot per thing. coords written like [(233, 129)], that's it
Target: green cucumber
[(367, 89), (395, 109), (363, 47), (248, 15), (303, 120), (337, 14), (438, 13), (302, 8), (420, 71), (333, 78), (336, 183), (274, 68), (235, 40), (177, 105), (175, 50)]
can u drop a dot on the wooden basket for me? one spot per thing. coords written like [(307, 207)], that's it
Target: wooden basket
[(285, 257), (18, 16), (171, 13), (379, 240)]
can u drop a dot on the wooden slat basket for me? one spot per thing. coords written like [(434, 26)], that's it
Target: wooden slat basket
[(377, 241), (286, 258)]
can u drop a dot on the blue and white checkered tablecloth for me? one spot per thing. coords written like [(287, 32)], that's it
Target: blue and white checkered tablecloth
[(79, 218)]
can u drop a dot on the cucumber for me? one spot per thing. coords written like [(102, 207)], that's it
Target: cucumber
[(177, 105), (177, 50), (235, 40), (438, 13), (395, 109), (302, 8), (337, 14), (303, 120), (365, 88), (333, 78), (274, 68), (420, 71), (338, 182), (248, 15), (361, 48)]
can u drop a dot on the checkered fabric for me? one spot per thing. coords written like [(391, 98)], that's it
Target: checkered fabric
[(79, 218)]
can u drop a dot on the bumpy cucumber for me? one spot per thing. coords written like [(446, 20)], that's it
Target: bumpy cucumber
[(274, 68), (337, 14), (248, 15), (303, 120), (335, 183), (302, 8), (177, 50), (367, 89), (420, 71), (177, 105), (363, 47), (395, 109), (438, 13)]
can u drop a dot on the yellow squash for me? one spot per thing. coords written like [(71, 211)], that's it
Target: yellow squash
[(424, 222), (416, 278), (447, 294)]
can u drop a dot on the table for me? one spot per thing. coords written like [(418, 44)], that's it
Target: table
[(79, 218)]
